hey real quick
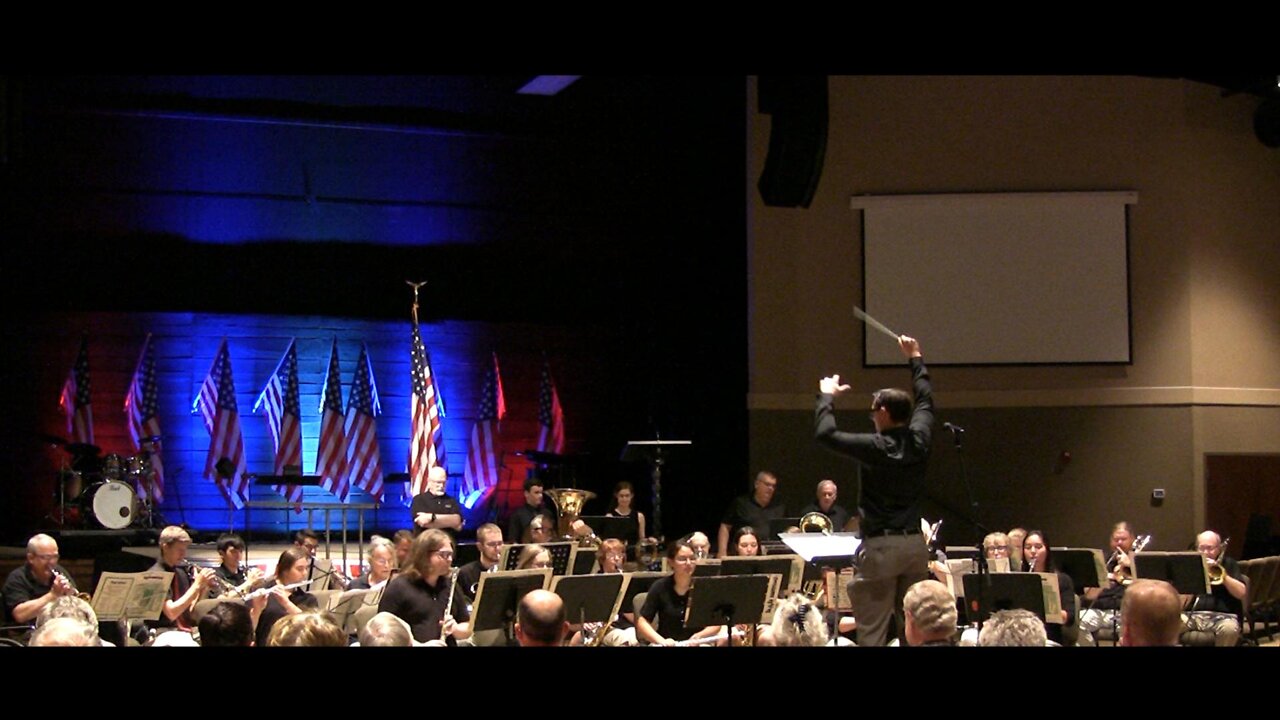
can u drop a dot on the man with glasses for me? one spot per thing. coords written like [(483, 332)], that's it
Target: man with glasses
[(432, 509), (37, 583), (309, 540), (420, 594), (489, 540), (894, 461), (1219, 611), (754, 510)]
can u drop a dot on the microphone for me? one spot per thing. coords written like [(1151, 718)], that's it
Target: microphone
[(953, 428)]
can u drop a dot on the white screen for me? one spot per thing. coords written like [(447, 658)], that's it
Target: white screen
[(1011, 278)]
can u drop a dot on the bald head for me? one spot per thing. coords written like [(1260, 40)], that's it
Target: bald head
[(540, 620), (1150, 614), (41, 543), (436, 479)]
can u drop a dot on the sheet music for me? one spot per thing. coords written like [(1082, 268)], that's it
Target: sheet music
[(134, 596)]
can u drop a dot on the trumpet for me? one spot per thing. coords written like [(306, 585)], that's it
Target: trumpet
[(1217, 573)]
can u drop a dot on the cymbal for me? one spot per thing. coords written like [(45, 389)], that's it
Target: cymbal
[(52, 439), (83, 449)]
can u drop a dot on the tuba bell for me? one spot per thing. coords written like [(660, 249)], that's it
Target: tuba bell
[(569, 502)]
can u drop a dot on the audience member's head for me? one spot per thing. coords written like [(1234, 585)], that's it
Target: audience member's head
[(1013, 628), (930, 609), (540, 621), (306, 629), (797, 621), (1150, 614), (227, 624), (386, 630), (70, 606), (65, 632)]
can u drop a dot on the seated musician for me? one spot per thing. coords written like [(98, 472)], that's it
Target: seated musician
[(540, 620), (541, 529), (403, 540), (611, 554), (700, 543), (995, 546), (423, 596), (1104, 603), (382, 561), (186, 589), (1035, 550), (283, 600), (1219, 611), (534, 557), (230, 571), (667, 600), (489, 540), (746, 543), (1016, 537), (930, 612), (309, 540), (37, 583), (825, 503)]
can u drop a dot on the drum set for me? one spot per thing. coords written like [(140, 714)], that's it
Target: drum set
[(108, 492)]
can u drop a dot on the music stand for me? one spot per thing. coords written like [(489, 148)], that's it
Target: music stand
[(498, 596), (709, 567), (1006, 591), (727, 600), (562, 555), (656, 452), (1084, 566), (590, 598), (584, 563), (626, 529), (1185, 571), (790, 567), (966, 552), (344, 605)]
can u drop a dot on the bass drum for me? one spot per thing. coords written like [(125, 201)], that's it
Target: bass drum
[(112, 505)]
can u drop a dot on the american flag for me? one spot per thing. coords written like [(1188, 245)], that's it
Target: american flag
[(284, 418), (216, 404), (481, 472), (426, 438), (364, 463), (550, 415), (143, 420), (75, 398), (331, 455)]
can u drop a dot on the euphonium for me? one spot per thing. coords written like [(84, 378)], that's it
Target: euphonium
[(816, 522)]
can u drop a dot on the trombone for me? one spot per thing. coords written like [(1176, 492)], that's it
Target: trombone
[(1217, 573)]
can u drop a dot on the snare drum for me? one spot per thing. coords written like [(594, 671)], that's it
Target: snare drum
[(112, 505), (111, 467)]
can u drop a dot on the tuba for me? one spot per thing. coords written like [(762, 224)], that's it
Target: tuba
[(569, 502)]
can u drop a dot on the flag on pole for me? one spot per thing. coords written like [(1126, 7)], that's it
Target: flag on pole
[(140, 409), (216, 405), (481, 472), (364, 463), (75, 398), (550, 415), (426, 437), (284, 418), (331, 455)]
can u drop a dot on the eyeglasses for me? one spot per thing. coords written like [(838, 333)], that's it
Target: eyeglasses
[(444, 554), (998, 548), (615, 558), (48, 556), (1201, 548), (494, 544)]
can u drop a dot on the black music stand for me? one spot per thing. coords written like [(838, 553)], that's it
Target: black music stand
[(790, 567), (590, 598), (562, 555), (626, 529), (1185, 571), (967, 552), (709, 567), (498, 596), (727, 600), (583, 563), (656, 453), (1084, 566), (987, 593)]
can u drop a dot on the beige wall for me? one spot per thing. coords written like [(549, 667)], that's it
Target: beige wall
[(1204, 259)]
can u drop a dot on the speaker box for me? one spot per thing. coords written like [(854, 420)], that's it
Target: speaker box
[(797, 138)]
